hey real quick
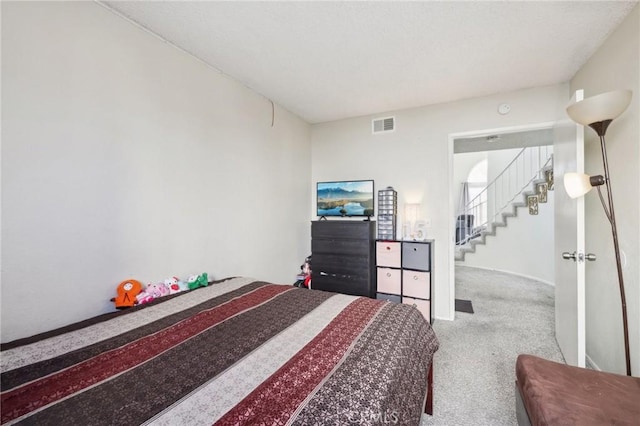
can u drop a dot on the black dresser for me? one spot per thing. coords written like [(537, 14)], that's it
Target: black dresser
[(343, 257)]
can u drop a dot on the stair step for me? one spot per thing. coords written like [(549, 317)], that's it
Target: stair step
[(490, 230), (474, 243)]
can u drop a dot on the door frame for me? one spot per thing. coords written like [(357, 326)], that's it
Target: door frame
[(570, 324), (452, 208)]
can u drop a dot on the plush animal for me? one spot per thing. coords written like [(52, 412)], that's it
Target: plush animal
[(151, 292), (175, 285), (158, 290), (184, 286), (144, 297), (196, 281), (303, 279), (127, 292), (306, 270)]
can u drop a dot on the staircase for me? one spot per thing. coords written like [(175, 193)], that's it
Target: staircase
[(523, 184)]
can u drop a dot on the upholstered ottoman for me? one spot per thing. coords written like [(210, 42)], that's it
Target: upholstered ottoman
[(550, 393)]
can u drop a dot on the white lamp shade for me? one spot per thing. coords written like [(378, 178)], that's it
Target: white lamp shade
[(411, 212), (606, 106), (576, 184)]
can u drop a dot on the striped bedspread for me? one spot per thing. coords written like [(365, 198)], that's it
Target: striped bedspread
[(239, 352)]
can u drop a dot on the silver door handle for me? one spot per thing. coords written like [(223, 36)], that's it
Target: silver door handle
[(590, 256), (569, 256)]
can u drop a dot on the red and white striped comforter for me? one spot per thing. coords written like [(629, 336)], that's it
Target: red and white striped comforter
[(239, 352)]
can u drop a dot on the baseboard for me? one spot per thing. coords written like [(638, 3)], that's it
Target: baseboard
[(512, 273)]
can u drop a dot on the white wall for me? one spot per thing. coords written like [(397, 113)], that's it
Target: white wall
[(417, 159), (125, 157), (498, 160), (616, 65), (524, 247)]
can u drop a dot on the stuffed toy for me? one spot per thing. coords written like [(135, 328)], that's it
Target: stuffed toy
[(184, 286), (303, 279), (127, 292), (144, 297), (151, 292), (306, 270), (175, 285), (158, 290), (196, 281)]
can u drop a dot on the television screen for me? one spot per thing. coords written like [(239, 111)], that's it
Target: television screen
[(345, 198)]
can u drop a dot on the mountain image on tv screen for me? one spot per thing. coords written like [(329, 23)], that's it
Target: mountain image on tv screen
[(347, 198)]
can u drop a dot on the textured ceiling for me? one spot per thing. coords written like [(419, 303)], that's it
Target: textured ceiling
[(326, 61)]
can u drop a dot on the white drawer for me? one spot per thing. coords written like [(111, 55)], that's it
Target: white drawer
[(415, 284), (424, 306), (388, 253), (388, 280)]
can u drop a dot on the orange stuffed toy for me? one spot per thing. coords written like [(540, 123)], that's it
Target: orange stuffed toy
[(127, 292)]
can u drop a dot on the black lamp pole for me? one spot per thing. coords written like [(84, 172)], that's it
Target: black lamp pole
[(601, 128)]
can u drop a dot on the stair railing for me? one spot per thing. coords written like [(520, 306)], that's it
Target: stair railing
[(528, 165)]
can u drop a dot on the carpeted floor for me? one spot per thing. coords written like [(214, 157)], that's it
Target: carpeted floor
[(475, 365)]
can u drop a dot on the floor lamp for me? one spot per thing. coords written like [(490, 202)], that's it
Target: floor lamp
[(598, 112)]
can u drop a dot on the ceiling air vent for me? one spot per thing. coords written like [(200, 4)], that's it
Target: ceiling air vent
[(384, 125)]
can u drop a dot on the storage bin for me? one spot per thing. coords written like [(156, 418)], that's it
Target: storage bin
[(389, 297), (424, 306), (389, 280), (415, 284), (388, 253), (416, 256)]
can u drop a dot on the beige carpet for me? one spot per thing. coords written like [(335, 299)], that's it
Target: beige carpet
[(475, 365)]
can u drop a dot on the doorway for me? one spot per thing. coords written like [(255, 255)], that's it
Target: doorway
[(480, 141)]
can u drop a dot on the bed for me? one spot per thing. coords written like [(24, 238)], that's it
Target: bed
[(236, 352)]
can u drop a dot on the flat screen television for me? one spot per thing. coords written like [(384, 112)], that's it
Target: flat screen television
[(345, 198)]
